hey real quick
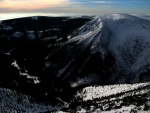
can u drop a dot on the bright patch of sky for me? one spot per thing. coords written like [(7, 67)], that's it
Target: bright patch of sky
[(81, 7)]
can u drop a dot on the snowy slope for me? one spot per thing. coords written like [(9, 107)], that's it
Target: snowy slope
[(124, 98), (130, 37), (94, 92), (12, 101), (121, 44)]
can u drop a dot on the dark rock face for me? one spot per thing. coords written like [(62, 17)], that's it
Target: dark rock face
[(7, 70), (24, 44)]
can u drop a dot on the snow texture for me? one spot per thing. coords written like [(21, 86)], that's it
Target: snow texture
[(12, 102), (125, 36), (93, 92)]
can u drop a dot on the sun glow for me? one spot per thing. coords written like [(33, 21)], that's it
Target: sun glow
[(31, 5), (89, 7)]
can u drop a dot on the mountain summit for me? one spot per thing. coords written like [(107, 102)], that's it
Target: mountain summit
[(109, 49)]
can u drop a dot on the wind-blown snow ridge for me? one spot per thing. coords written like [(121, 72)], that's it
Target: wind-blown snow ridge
[(125, 36), (87, 32)]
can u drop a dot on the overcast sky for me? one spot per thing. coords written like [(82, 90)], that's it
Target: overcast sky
[(92, 7)]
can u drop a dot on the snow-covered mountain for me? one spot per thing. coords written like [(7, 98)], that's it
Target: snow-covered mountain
[(109, 49), (62, 62)]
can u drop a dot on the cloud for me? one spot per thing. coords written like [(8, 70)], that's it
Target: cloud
[(102, 2)]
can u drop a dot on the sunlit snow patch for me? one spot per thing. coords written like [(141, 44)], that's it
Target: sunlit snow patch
[(93, 92)]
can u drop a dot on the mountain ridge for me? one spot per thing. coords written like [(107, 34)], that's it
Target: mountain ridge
[(103, 51), (117, 35)]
